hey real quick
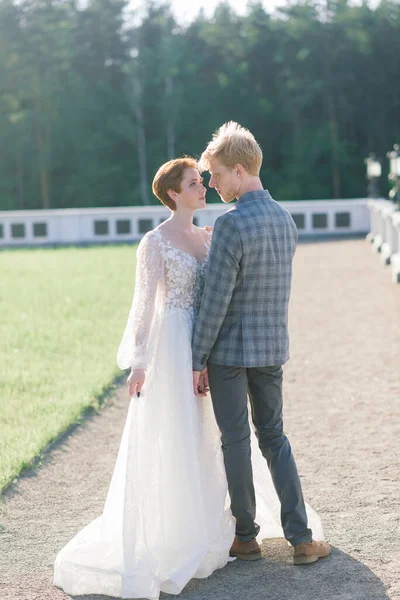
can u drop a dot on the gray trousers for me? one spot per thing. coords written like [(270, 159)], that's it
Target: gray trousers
[(229, 387)]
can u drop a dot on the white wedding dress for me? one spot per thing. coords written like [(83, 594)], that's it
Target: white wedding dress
[(166, 518)]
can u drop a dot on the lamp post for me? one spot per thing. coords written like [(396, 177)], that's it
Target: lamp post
[(374, 170), (394, 175)]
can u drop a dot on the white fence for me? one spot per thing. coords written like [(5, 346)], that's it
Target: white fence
[(129, 224), (385, 233)]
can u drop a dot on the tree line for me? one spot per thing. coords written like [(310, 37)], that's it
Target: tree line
[(93, 99)]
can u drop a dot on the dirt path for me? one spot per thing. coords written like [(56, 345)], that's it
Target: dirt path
[(342, 399)]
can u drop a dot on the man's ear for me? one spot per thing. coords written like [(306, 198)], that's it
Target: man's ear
[(239, 170)]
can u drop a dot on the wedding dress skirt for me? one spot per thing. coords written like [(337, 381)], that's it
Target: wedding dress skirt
[(166, 518)]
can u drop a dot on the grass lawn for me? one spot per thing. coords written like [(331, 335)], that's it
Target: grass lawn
[(62, 315)]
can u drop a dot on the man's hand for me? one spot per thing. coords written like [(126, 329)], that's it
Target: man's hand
[(135, 381), (200, 382), (204, 379)]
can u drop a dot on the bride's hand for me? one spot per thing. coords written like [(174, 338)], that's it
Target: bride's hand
[(135, 381)]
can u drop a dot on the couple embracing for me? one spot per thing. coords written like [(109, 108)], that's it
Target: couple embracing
[(194, 484)]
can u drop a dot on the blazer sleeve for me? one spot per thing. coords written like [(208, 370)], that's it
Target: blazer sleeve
[(223, 267)]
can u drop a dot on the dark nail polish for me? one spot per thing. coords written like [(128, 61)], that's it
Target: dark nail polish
[(138, 394)]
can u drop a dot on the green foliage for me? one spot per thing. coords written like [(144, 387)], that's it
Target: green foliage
[(62, 317), (93, 100)]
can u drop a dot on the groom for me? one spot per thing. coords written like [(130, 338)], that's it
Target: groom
[(241, 334)]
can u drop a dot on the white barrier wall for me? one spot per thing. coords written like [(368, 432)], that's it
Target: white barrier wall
[(129, 224), (385, 233)]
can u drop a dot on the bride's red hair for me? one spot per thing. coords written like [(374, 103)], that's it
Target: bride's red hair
[(169, 177)]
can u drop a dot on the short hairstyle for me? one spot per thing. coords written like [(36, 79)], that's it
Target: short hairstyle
[(233, 144), (169, 177)]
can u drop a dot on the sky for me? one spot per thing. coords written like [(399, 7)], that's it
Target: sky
[(186, 10)]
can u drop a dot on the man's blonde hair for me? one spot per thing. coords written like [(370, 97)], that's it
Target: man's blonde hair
[(233, 144)]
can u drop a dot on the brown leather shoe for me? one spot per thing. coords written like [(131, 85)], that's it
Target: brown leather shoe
[(310, 552), (245, 550)]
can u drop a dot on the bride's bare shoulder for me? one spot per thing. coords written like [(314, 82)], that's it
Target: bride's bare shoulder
[(164, 227)]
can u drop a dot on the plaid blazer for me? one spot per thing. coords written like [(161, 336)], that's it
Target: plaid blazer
[(243, 317)]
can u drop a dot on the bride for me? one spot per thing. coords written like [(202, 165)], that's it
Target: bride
[(166, 518)]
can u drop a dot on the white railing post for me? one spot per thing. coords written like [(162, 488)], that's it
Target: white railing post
[(379, 210), (395, 258), (373, 221), (388, 241), (378, 237)]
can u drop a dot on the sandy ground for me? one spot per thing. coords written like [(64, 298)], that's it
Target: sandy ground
[(342, 405)]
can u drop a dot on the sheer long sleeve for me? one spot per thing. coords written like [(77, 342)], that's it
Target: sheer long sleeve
[(134, 350)]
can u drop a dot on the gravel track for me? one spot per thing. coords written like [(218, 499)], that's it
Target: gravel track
[(342, 401)]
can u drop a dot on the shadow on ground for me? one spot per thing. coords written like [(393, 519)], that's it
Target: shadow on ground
[(338, 577)]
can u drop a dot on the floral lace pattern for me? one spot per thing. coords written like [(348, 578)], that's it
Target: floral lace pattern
[(184, 274)]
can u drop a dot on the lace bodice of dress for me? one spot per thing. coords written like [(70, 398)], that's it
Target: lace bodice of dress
[(184, 274), (166, 278)]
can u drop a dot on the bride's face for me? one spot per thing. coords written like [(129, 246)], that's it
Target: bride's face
[(193, 193)]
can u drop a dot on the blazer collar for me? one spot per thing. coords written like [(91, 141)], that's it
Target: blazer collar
[(257, 195)]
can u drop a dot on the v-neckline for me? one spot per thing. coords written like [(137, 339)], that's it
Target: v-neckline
[(198, 260)]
